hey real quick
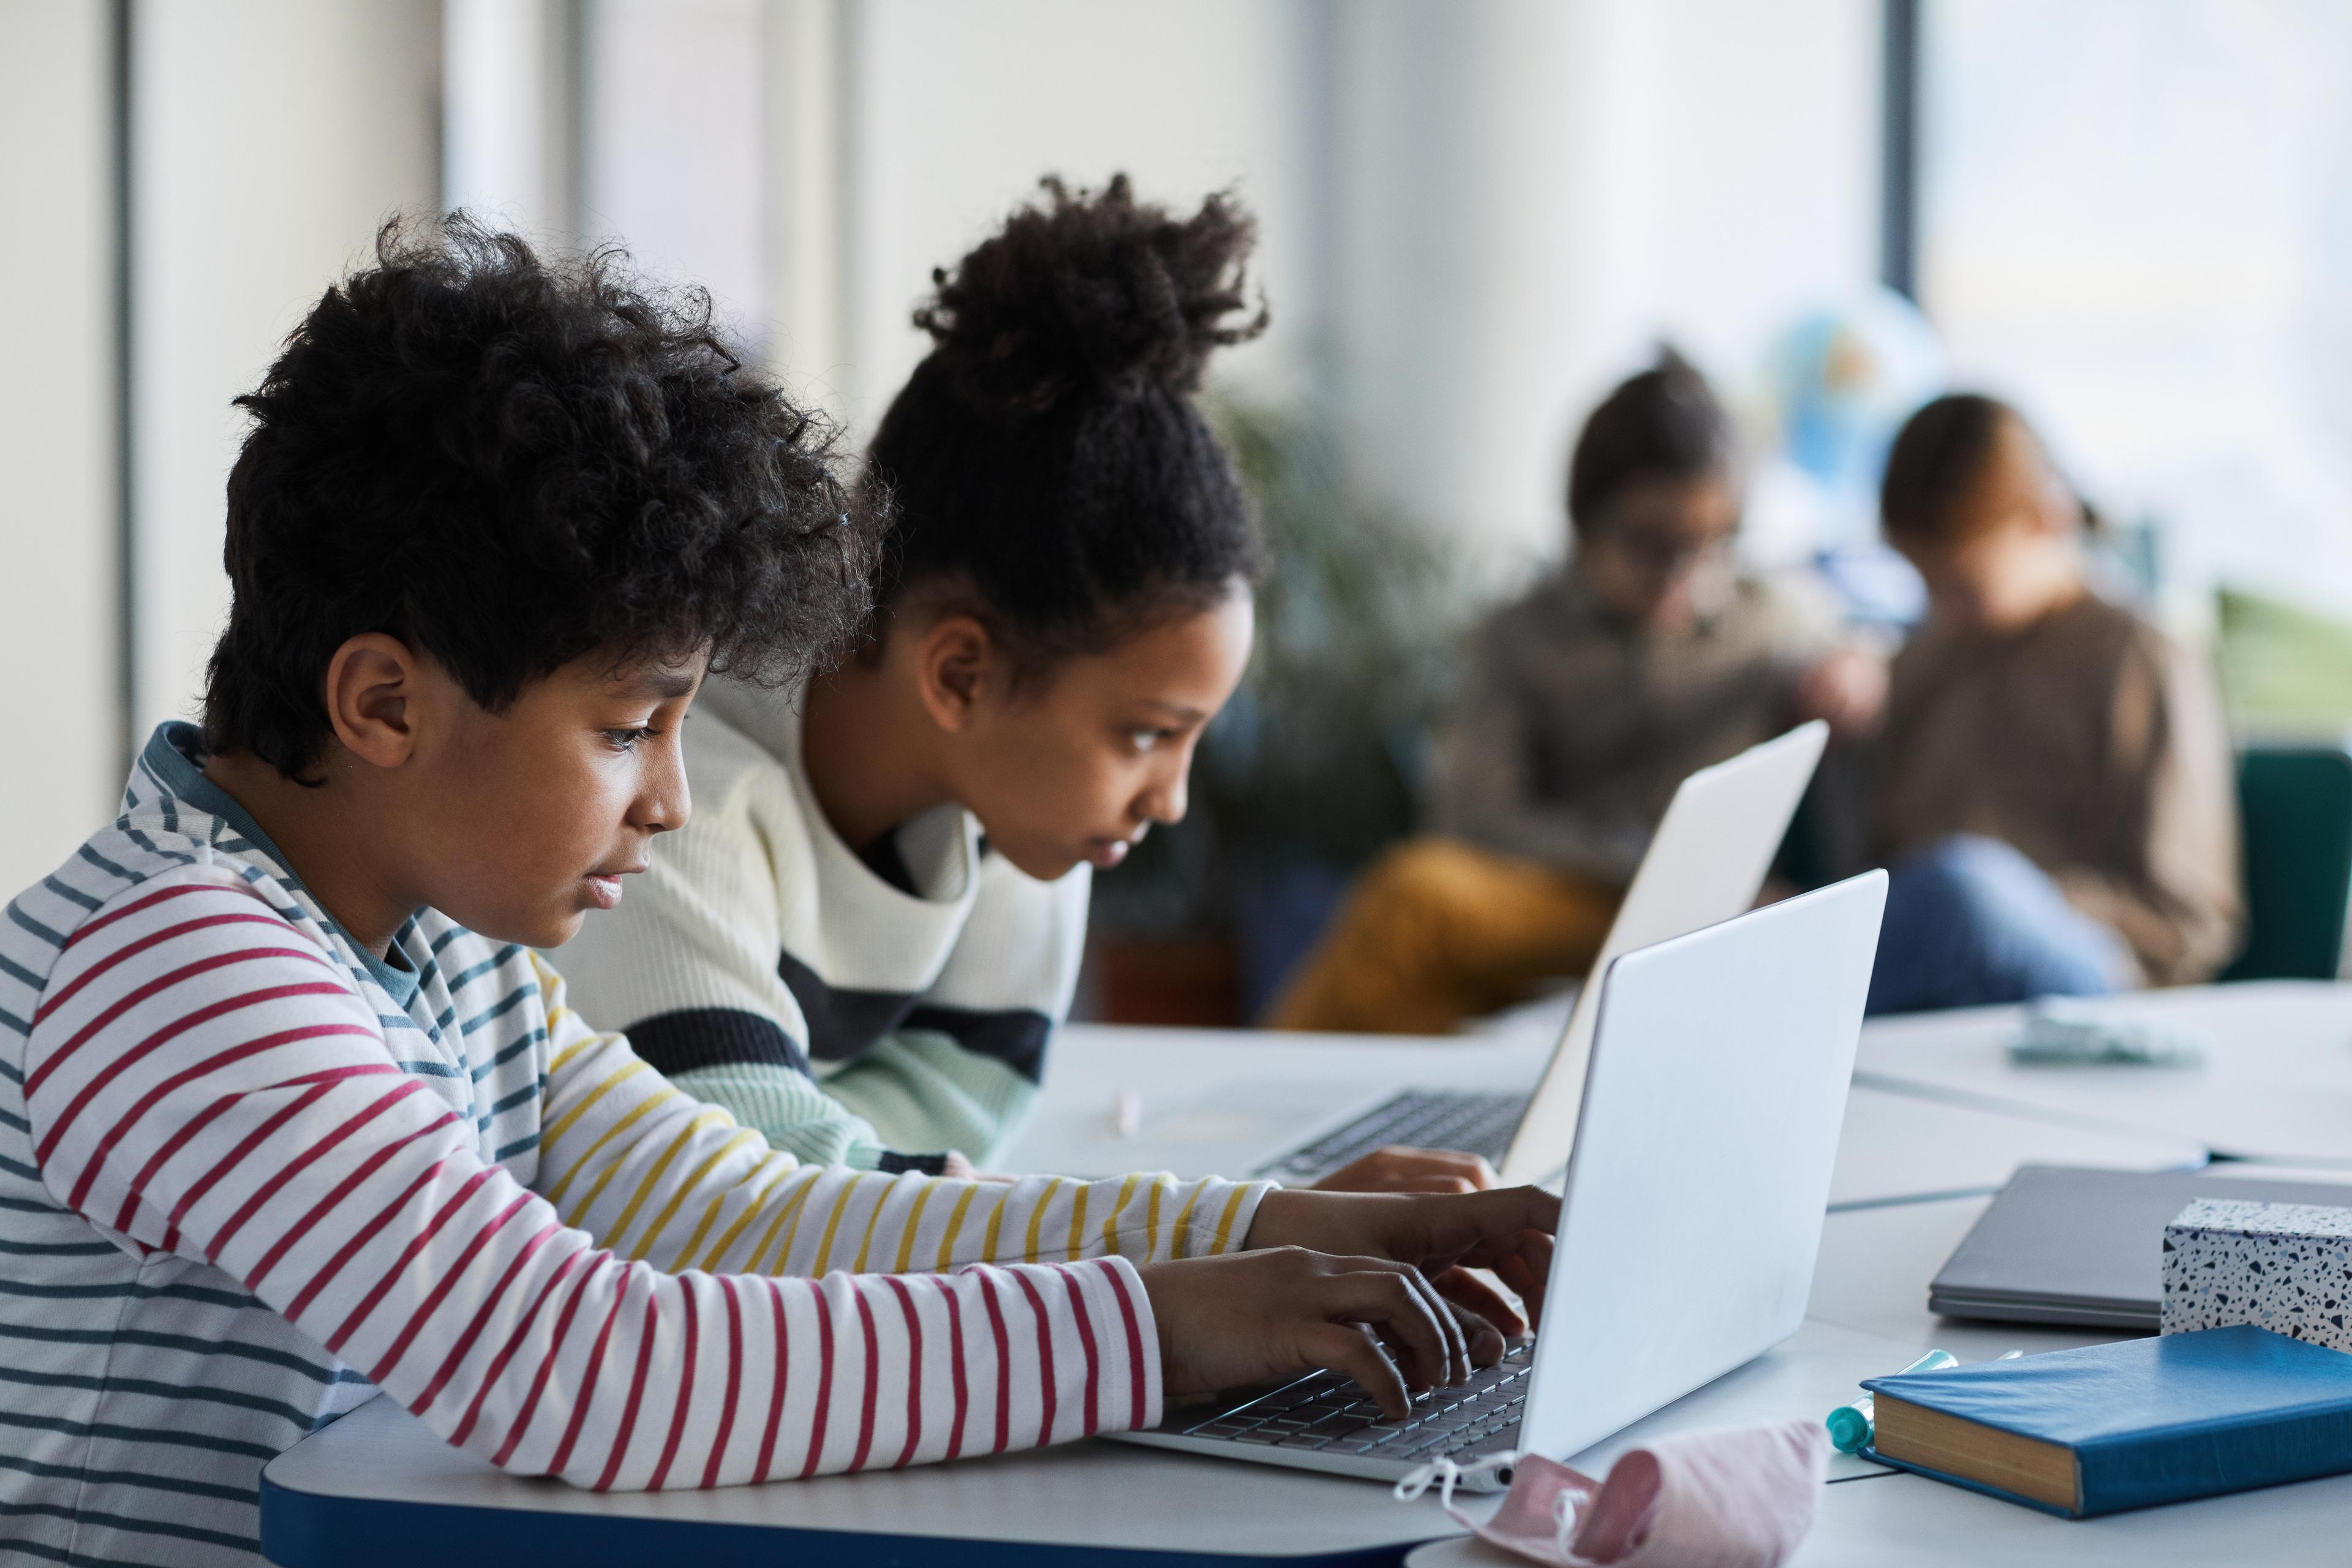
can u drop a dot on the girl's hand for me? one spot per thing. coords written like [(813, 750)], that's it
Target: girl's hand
[(1255, 1317), (1508, 1231), (1402, 1169)]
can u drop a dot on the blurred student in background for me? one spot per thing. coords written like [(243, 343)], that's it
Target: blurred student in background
[(1584, 706), (2052, 784)]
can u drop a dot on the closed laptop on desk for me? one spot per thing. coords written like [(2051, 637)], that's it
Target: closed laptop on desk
[(2061, 1245)]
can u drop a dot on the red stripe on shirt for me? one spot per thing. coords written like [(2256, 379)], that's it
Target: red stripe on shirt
[(590, 1376), (594, 1263), (779, 1384), (343, 1189), (313, 1152), (1137, 1370), (72, 988), (422, 1238), (824, 1380), (734, 1380), (955, 1364), (1004, 1359), (216, 1062), (1085, 1344), (450, 1274), (873, 1375), (914, 1371), (97, 923), (1045, 1355), (165, 1036), (693, 1369), (254, 1139), (620, 1445), (481, 1317)]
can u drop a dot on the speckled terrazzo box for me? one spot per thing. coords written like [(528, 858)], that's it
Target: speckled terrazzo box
[(2286, 1267)]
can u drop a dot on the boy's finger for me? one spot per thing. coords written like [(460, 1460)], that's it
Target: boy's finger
[(1469, 1293), (1399, 1305), (1351, 1352), (1524, 1270)]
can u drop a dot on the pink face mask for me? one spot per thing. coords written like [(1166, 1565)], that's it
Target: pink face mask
[(1712, 1500)]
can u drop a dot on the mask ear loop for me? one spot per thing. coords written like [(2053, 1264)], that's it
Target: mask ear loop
[(1445, 1475)]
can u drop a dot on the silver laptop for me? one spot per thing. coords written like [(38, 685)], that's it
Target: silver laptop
[(1707, 1128), (1707, 863)]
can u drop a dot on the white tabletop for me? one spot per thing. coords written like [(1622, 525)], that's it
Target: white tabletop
[(1209, 1098), (2276, 1083), (1217, 1101), (1108, 1496), (1908, 1522)]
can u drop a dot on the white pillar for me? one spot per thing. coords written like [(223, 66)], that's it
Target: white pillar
[(511, 139), (59, 611), (269, 138)]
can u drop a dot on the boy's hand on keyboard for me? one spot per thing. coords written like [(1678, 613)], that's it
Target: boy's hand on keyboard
[(1399, 1168), (1252, 1317), (1508, 1232)]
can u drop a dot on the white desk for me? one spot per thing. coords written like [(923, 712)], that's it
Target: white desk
[(351, 1497), (2276, 1083), (1070, 1504), (1217, 1101), (1908, 1521), (1872, 1278)]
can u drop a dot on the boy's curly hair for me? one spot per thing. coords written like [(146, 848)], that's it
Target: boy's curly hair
[(1047, 459), (510, 464)]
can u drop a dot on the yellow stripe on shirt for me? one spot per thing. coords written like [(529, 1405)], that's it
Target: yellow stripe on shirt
[(1036, 1222), (1225, 1220), (955, 1224), (1111, 1221)]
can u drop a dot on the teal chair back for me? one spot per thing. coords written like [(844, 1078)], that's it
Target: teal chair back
[(2296, 803)]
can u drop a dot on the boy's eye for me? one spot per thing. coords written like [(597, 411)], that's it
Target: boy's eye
[(1146, 740), (626, 739)]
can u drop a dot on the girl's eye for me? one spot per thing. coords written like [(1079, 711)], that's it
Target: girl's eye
[(626, 739), (1143, 739)]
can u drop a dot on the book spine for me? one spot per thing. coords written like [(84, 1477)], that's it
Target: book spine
[(2208, 1460)]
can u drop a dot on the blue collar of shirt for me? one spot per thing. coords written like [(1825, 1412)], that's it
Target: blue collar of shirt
[(172, 756)]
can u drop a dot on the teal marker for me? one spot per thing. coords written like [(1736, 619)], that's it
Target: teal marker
[(1849, 1425)]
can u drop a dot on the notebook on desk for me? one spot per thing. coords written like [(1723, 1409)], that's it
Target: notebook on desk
[(2061, 1245), (2128, 1425)]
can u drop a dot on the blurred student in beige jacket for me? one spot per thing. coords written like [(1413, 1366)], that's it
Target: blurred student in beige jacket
[(1584, 705)]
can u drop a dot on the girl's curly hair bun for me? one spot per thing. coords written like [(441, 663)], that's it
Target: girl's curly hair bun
[(1091, 291)]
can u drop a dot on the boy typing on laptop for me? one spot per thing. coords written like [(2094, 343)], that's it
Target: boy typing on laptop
[(290, 1113)]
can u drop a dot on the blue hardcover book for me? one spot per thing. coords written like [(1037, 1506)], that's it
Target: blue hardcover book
[(2127, 1424)]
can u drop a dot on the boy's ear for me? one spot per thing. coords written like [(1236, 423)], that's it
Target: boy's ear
[(956, 665), (371, 693)]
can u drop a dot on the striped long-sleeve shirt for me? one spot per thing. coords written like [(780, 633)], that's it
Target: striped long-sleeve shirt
[(250, 1174)]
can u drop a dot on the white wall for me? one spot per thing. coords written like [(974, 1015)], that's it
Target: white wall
[(1475, 214), (1535, 192), (957, 109), (269, 138), (62, 766)]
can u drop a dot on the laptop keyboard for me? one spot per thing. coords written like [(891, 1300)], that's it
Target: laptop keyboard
[(1421, 1118), (1331, 1415)]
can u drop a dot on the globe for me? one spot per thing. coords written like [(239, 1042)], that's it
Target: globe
[(1841, 382)]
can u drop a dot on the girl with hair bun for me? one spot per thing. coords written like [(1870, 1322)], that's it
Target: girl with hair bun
[(873, 921)]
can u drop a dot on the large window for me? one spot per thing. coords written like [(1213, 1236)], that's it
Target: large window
[(2135, 219)]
